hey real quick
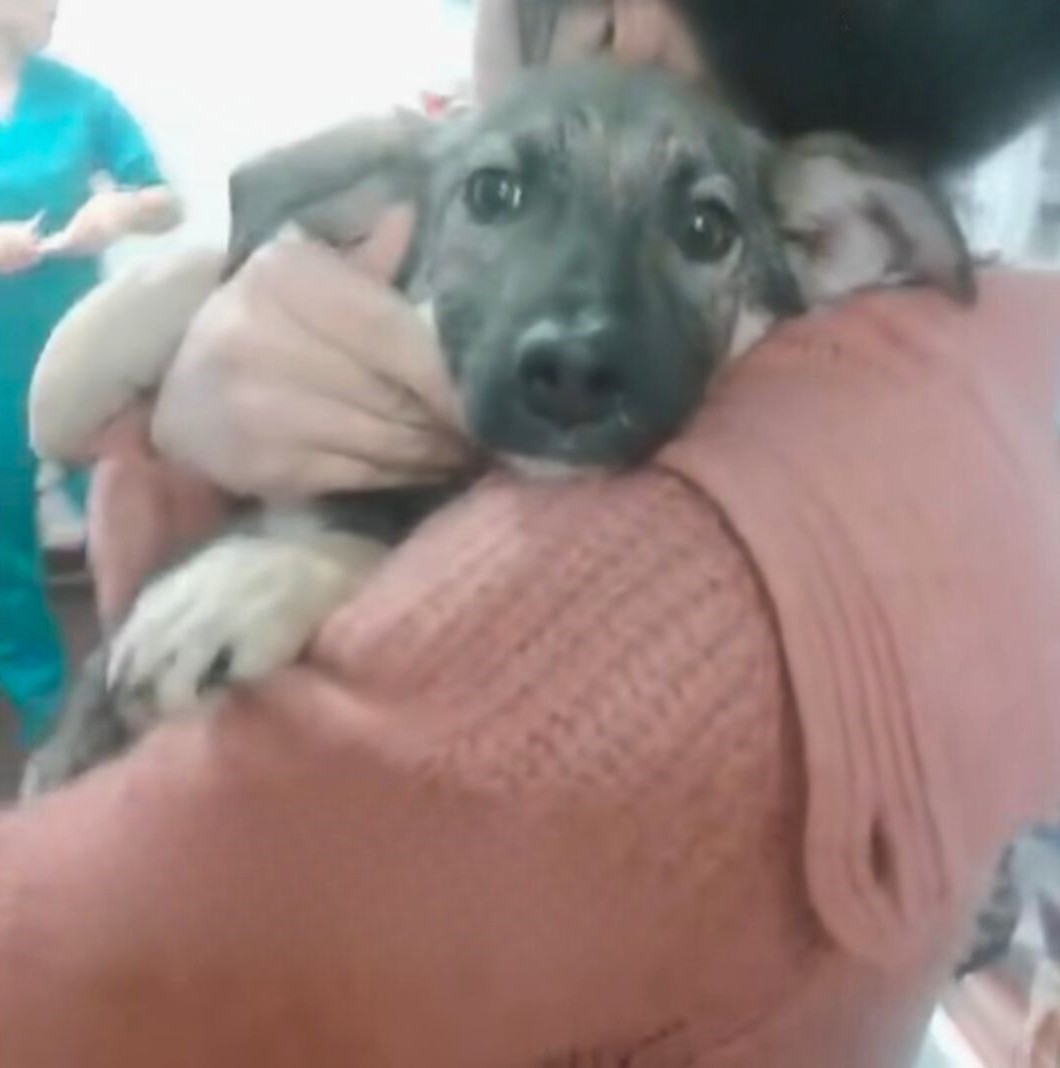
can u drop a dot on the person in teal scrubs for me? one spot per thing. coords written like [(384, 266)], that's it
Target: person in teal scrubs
[(76, 174)]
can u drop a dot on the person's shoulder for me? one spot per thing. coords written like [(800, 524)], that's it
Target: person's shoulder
[(58, 79)]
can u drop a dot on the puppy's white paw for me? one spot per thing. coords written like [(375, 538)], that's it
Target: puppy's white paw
[(235, 612)]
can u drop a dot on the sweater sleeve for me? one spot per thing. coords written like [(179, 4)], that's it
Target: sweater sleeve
[(892, 471), (536, 775)]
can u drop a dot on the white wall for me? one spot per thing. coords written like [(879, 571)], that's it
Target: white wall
[(1005, 195), (214, 81)]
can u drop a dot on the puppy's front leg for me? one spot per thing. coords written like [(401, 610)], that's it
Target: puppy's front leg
[(243, 606)]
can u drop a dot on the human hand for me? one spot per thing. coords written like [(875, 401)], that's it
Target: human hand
[(638, 32), (307, 374), (20, 246), (104, 219)]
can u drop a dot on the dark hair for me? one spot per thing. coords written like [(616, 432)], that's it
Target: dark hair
[(937, 81)]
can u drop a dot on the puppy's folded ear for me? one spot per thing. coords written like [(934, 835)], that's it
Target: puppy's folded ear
[(852, 219), (334, 185)]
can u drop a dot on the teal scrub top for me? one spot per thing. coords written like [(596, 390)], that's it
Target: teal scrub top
[(64, 129)]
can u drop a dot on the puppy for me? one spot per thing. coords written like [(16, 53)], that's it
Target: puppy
[(591, 250)]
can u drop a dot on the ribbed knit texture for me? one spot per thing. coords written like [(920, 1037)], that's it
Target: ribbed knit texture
[(588, 775)]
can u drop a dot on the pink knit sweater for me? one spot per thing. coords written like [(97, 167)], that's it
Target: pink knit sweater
[(705, 765)]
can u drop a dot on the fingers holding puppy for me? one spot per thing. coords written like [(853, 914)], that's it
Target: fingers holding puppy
[(307, 373)]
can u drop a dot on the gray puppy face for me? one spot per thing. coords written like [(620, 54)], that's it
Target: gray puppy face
[(591, 244)]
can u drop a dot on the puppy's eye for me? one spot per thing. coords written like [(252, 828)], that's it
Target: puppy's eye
[(493, 195), (707, 231)]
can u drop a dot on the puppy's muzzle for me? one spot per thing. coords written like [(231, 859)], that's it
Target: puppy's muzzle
[(571, 377)]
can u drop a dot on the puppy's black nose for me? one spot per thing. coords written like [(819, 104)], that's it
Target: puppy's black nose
[(569, 378)]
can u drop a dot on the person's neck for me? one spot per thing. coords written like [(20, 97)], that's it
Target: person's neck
[(11, 59)]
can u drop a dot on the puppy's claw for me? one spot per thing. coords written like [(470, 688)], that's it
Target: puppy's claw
[(219, 673)]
